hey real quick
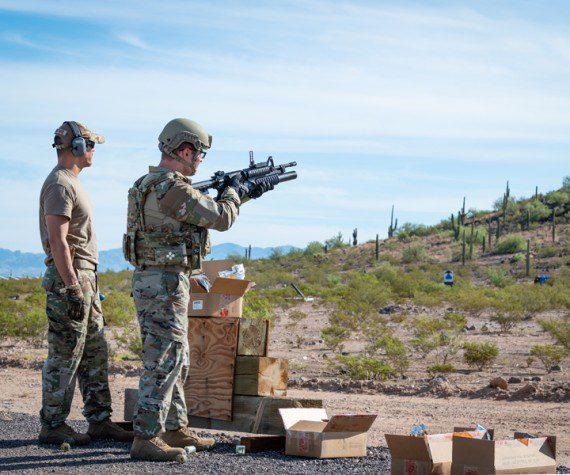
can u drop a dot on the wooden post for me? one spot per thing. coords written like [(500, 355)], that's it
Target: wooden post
[(528, 257), (471, 242), (490, 231), (463, 249), (553, 225), (377, 248)]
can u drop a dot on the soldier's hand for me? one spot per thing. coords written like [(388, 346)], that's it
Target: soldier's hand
[(240, 186), (260, 188), (74, 299)]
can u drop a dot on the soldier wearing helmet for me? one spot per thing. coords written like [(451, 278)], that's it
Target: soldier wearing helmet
[(167, 237)]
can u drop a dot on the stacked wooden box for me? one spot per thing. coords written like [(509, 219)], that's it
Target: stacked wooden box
[(233, 383)]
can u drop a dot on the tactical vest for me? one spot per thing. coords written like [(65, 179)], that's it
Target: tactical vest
[(154, 239)]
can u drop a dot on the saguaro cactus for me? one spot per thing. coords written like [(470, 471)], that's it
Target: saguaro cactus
[(377, 248), (355, 237)]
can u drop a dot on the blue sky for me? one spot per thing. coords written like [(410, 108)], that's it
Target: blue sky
[(415, 104)]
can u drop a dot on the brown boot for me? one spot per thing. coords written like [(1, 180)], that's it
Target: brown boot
[(61, 434), (156, 450), (184, 437), (107, 429)]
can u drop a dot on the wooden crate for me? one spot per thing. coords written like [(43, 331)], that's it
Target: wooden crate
[(209, 387), (254, 414), (253, 338), (261, 376)]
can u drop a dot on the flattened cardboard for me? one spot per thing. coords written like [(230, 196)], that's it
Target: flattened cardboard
[(431, 454), (478, 457), (310, 433), (225, 296)]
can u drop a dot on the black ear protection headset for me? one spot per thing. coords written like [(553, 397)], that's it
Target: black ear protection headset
[(78, 144)]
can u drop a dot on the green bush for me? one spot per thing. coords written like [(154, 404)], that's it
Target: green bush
[(506, 321), (414, 253), (548, 250), (560, 331), (549, 355), (408, 230), (362, 368), (334, 336), (119, 308), (394, 350), (480, 355), (256, 305), (336, 242), (441, 369), (314, 248), (510, 244)]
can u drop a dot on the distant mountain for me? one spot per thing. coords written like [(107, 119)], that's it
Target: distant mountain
[(29, 264)]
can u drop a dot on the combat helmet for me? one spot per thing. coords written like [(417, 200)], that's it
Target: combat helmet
[(179, 131)]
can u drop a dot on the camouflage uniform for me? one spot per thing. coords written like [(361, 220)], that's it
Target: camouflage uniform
[(166, 239), (76, 350)]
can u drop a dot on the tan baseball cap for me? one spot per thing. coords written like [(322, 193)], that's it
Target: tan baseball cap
[(64, 135)]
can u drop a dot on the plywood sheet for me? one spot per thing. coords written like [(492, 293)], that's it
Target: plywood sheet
[(261, 376), (209, 387), (253, 337)]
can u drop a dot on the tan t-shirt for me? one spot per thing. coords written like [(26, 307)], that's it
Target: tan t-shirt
[(62, 194)]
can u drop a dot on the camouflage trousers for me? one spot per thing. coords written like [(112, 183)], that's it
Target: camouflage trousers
[(76, 350), (161, 299)]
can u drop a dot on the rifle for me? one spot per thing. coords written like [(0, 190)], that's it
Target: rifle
[(256, 173)]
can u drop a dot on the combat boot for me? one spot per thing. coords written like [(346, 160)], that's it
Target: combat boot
[(107, 429), (155, 450), (61, 434), (184, 437)]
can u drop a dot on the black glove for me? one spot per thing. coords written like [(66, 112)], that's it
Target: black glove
[(240, 185), (260, 188), (73, 297)]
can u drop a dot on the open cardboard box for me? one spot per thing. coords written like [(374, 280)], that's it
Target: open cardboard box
[(310, 433), (430, 454), (518, 455), (225, 298)]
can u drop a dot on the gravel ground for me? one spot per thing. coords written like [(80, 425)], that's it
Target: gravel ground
[(19, 451)]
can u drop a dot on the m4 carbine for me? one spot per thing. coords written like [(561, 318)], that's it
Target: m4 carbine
[(256, 173)]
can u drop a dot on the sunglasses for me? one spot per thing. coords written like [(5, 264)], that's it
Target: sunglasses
[(90, 144)]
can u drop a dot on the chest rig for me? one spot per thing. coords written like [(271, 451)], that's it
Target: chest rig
[(157, 240)]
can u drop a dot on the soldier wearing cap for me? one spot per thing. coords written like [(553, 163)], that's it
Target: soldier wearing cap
[(77, 349), (166, 239)]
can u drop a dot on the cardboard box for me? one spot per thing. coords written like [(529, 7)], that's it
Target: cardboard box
[(310, 433), (518, 455), (225, 296), (430, 454)]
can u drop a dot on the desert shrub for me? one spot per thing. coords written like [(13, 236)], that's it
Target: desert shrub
[(237, 258), (510, 244), (560, 331), (119, 308), (506, 321), (537, 210), (276, 254), (414, 253), (314, 248), (363, 368), (441, 369), (518, 257), (549, 355), (548, 250), (23, 318), (256, 305), (558, 198), (334, 336), (411, 229), (130, 340), (394, 350), (335, 242), (480, 355)]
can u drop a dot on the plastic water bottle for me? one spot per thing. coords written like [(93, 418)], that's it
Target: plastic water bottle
[(190, 450)]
